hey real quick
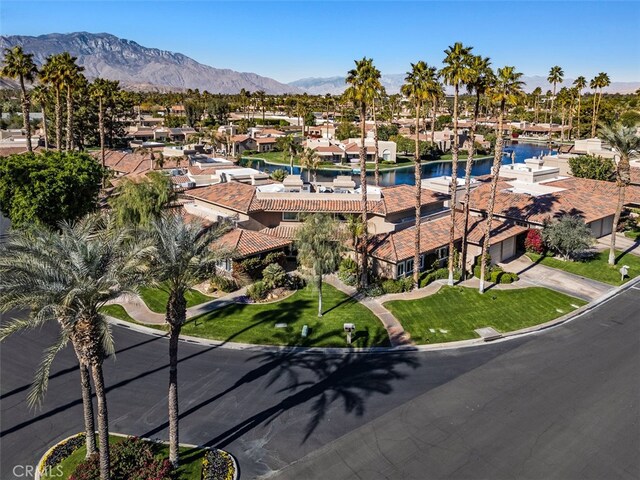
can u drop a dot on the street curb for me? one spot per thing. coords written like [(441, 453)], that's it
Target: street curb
[(39, 466), (405, 348)]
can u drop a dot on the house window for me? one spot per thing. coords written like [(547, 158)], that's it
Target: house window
[(421, 262), (442, 252), (401, 269), (409, 266), (386, 155), (290, 216), (225, 265)]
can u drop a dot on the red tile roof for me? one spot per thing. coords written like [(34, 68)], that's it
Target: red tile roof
[(245, 243), (281, 231), (233, 195), (266, 140), (403, 197)]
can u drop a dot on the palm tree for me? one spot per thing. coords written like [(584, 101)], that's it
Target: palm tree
[(455, 73), (181, 255), (261, 96), (104, 91), (51, 74), (436, 93), (415, 89), (290, 148), (379, 93), (356, 230), (362, 82), (598, 83), (625, 143), (480, 77), (40, 94), (537, 92), (556, 75), (20, 65), (506, 90), (319, 244), (70, 276), (71, 77), (579, 83), (310, 160)]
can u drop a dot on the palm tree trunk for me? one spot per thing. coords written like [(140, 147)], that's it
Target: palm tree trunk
[(497, 161), (433, 122), (363, 187), (375, 140), (454, 185), (614, 227), (87, 409), (44, 126), (103, 420), (593, 116), (101, 127), (69, 118), (467, 187), (418, 182), (173, 394), (579, 104), (551, 114), (25, 114), (319, 295)]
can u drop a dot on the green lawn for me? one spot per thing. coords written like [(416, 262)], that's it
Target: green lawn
[(190, 461), (597, 268), (634, 234), (117, 311), (156, 298), (455, 312), (255, 323)]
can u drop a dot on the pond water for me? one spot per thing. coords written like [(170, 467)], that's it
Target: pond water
[(405, 175)]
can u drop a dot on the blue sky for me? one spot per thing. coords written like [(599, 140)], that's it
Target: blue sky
[(288, 40)]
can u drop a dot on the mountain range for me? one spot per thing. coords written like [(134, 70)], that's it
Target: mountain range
[(141, 68), (393, 82)]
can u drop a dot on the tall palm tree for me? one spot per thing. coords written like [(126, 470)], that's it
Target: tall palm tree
[(480, 77), (51, 74), (290, 148), (556, 75), (103, 91), (506, 90), (181, 255), (625, 143), (71, 74), (362, 82), (415, 89), (598, 83), (310, 160), (379, 93), (579, 83), (436, 93), (455, 73), (40, 94), (78, 271), (20, 65), (537, 92), (261, 96)]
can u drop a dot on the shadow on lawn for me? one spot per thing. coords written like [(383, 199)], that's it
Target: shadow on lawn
[(321, 380)]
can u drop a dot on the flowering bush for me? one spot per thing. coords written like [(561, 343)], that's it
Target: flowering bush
[(131, 459), (62, 451), (217, 465), (533, 242)]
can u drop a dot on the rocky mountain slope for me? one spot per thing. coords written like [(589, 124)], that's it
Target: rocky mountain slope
[(138, 67)]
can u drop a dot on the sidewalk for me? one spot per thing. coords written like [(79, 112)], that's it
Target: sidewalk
[(625, 244), (136, 307), (397, 335), (532, 274)]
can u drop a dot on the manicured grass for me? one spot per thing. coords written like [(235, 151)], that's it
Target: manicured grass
[(190, 461), (255, 323), (117, 311), (596, 268), (455, 312), (156, 298), (634, 234)]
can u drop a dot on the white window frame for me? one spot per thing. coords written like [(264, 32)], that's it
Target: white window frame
[(296, 214), (399, 267)]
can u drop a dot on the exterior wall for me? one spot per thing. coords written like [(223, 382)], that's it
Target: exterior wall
[(602, 227)]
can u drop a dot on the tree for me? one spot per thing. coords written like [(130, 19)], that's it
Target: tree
[(40, 94), (76, 273), (480, 77), (556, 75), (48, 188), (71, 78), (455, 73), (537, 92), (104, 91), (625, 143), (416, 90), (599, 82), (505, 89), (289, 146), (310, 160), (362, 82), (51, 74), (320, 246), (569, 236), (20, 65), (593, 167), (138, 203), (346, 130), (579, 83), (181, 254)]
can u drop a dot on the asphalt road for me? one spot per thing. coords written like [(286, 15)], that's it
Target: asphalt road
[(564, 403)]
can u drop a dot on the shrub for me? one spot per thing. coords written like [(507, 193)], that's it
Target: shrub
[(348, 265), (569, 236), (274, 276), (217, 465), (279, 175), (439, 274), (275, 257), (63, 450), (507, 277), (392, 286), (295, 282), (224, 284), (132, 458), (533, 242), (374, 290), (258, 291), (252, 267), (407, 284)]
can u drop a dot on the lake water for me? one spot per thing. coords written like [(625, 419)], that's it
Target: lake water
[(432, 169)]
